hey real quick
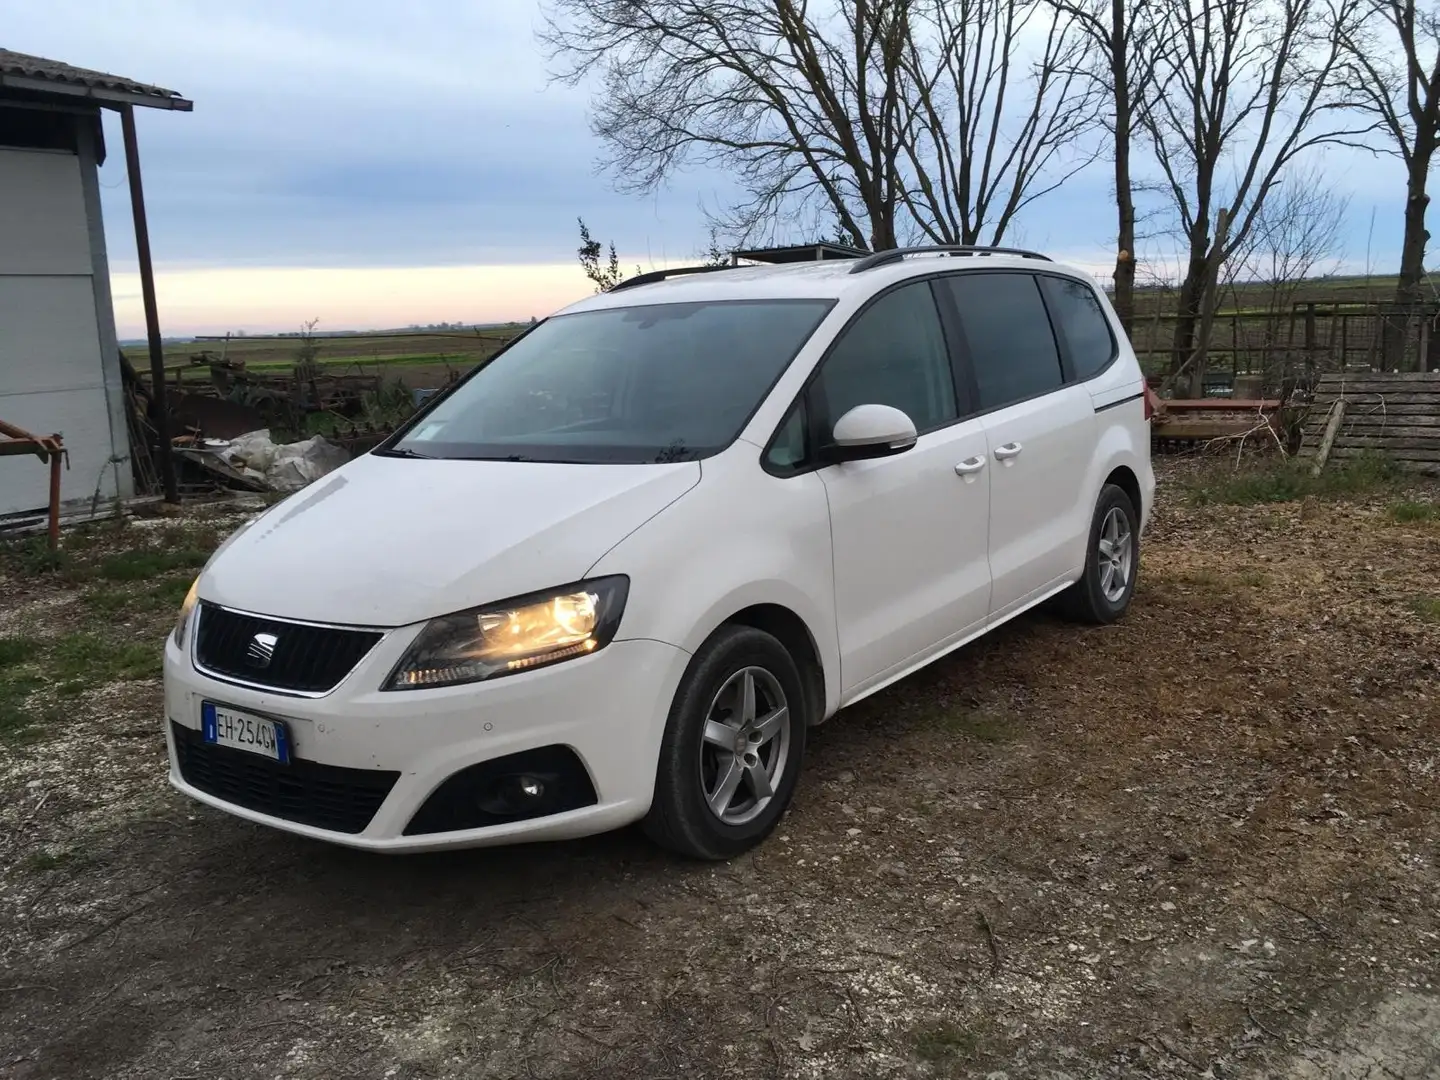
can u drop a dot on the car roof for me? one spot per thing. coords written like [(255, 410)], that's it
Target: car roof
[(829, 279)]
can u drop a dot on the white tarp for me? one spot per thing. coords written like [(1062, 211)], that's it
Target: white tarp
[(283, 467)]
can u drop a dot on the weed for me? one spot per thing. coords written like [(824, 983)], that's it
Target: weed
[(1427, 607), (32, 557), (145, 563), (17, 650), (937, 1042), (1409, 511), (17, 719), (1290, 481), (82, 661)]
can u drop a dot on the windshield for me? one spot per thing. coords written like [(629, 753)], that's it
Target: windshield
[(663, 382)]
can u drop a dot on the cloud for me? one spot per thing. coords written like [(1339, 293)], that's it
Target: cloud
[(368, 135)]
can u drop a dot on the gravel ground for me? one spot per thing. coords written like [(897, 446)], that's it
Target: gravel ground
[(1202, 842)]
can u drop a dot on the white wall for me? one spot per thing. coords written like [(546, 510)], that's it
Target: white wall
[(52, 378)]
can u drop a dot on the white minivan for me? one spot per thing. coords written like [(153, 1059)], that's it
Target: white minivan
[(616, 573)]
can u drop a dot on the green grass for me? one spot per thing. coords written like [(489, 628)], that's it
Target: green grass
[(142, 564), (32, 557), (1427, 607), (17, 650), (942, 1041), (1411, 512), (110, 600), (1290, 481), (18, 721), (83, 661)]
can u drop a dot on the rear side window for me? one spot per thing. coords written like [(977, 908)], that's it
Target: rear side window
[(1079, 320), (1008, 339)]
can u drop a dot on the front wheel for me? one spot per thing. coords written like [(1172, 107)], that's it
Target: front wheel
[(1103, 592), (732, 750)]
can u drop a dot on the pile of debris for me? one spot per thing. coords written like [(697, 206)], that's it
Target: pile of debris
[(255, 462)]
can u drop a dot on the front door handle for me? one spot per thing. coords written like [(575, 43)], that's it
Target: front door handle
[(970, 465), (1009, 450)]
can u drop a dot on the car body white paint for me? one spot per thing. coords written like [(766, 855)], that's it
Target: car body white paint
[(889, 563)]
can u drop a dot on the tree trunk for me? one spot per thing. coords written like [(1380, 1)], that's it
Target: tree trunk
[(1124, 196), (1187, 310), (1408, 291)]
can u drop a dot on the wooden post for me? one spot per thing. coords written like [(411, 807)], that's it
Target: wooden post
[(54, 523), (147, 293), (1332, 428)]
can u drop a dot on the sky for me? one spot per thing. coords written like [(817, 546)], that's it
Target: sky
[(376, 164)]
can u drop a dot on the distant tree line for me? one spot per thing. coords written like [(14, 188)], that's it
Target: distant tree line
[(889, 122)]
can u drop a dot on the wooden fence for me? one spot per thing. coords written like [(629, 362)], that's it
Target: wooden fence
[(1393, 413)]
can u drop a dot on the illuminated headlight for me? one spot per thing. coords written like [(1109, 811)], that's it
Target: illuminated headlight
[(516, 635), (187, 606)]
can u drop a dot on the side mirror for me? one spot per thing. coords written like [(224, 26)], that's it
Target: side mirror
[(870, 431)]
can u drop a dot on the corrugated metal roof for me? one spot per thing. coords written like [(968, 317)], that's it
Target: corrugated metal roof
[(22, 71)]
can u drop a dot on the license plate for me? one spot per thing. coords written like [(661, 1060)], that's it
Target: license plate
[(221, 725)]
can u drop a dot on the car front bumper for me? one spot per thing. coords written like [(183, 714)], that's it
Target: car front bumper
[(609, 709)]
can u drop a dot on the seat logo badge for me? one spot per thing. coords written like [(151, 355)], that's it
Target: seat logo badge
[(261, 650)]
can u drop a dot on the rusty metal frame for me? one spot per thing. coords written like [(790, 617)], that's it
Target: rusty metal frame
[(49, 448)]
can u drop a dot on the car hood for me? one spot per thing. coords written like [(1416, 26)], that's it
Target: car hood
[(391, 541)]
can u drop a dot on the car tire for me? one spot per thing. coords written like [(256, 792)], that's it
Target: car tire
[(716, 761), (1113, 549)]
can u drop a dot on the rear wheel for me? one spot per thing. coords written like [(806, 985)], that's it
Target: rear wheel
[(732, 750), (1103, 592)]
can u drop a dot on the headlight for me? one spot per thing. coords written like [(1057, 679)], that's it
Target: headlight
[(516, 635), (182, 622)]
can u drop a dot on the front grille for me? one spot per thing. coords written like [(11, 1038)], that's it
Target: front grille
[(278, 654), (306, 792)]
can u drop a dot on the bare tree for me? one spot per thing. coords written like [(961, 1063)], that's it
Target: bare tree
[(1393, 71), (1242, 87), (1123, 64), (899, 118), (1295, 236)]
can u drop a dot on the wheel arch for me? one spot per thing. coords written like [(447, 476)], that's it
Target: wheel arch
[(794, 634)]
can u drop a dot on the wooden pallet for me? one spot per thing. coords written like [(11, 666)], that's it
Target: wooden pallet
[(1397, 414)]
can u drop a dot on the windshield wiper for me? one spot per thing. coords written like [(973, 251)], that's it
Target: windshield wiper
[(404, 451)]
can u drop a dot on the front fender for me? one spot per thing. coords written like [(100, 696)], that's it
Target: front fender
[(742, 537)]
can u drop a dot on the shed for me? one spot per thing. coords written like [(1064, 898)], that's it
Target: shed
[(59, 359)]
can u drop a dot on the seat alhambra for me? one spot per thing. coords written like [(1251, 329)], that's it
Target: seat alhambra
[(616, 573)]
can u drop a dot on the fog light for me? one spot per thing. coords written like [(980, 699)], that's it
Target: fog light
[(531, 787)]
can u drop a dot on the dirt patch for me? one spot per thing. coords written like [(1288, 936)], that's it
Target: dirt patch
[(1200, 842)]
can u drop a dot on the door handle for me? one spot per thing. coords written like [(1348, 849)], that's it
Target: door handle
[(970, 465), (1009, 450)]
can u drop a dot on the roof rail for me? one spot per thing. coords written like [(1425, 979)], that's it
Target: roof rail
[(660, 275), (884, 258)]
